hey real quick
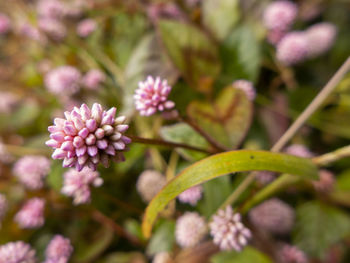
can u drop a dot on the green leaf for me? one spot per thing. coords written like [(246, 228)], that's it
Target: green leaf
[(215, 193), (241, 55), (124, 257), (163, 238), (55, 178), (318, 226), (219, 16), (343, 181), (147, 59), (183, 133), (222, 164), (247, 255), (192, 52), (227, 120)]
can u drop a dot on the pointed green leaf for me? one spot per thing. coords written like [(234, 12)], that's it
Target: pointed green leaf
[(220, 16), (227, 120), (191, 51), (221, 164)]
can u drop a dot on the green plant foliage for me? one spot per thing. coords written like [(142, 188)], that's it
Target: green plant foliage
[(220, 16), (241, 55), (227, 120), (182, 133), (318, 226), (248, 255), (163, 238), (222, 164), (215, 193), (191, 51)]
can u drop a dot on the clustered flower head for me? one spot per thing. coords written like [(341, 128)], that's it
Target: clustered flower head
[(190, 229), (87, 137), (274, 216), (291, 254), (17, 252), (192, 195), (299, 150), (227, 230), (280, 15), (86, 27), (152, 96), (77, 184), (31, 170), (325, 182), (293, 48), (32, 32), (31, 215), (149, 184), (64, 80), (320, 38), (93, 79), (247, 87), (5, 24), (59, 250), (3, 207)]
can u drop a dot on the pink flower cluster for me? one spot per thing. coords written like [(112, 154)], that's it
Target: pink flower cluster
[(190, 229), (296, 46), (31, 215), (31, 170), (149, 184), (86, 27), (273, 216), (291, 254), (93, 79), (53, 9), (191, 196), (63, 81), (152, 96), (228, 231), (299, 150), (58, 250), (17, 252), (77, 184), (87, 137), (247, 87)]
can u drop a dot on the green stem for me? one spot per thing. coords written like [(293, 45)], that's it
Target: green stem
[(158, 142), (331, 157)]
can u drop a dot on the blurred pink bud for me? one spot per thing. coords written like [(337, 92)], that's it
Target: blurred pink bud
[(192, 195), (93, 79), (149, 184), (245, 86), (190, 229), (293, 48), (53, 28), (5, 24), (31, 215), (63, 81), (86, 27), (31, 171), (291, 254), (17, 252), (58, 250), (299, 150), (280, 15)]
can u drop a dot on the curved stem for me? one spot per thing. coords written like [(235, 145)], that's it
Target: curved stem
[(313, 106), (167, 144), (331, 157)]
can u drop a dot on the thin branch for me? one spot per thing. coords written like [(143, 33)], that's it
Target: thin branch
[(167, 144)]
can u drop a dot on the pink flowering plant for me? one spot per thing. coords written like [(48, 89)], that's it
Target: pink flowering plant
[(200, 131)]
